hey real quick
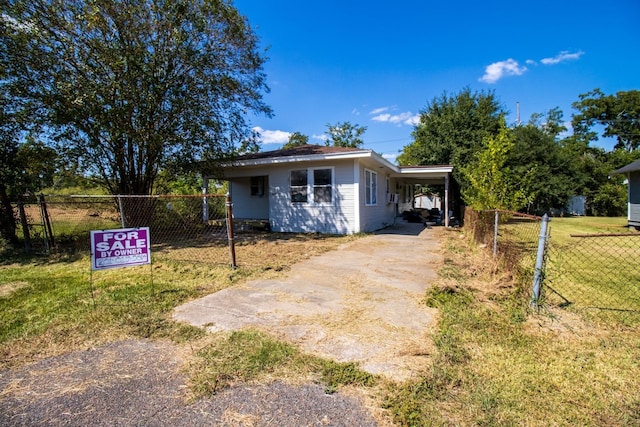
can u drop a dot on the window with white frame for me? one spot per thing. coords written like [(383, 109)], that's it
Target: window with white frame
[(319, 181), (323, 185), (371, 187), (298, 186)]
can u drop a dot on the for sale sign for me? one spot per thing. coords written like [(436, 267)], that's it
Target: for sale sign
[(120, 248)]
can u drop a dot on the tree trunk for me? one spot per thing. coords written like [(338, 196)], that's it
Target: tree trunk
[(7, 219)]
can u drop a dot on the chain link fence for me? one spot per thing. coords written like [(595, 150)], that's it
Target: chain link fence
[(190, 228), (510, 235), (598, 274), (595, 274)]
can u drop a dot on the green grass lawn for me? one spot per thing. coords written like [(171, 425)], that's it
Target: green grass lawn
[(561, 228), (495, 362), (500, 364), (600, 274)]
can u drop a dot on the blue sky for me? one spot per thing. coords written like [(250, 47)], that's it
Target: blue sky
[(378, 64)]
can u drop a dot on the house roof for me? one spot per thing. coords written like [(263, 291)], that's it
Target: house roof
[(303, 150), (306, 153), (631, 167)]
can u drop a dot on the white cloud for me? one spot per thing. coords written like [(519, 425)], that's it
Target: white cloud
[(379, 110), (355, 112), (563, 56), (272, 136), (321, 137), (407, 118), (500, 69)]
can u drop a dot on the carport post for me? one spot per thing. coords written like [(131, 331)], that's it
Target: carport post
[(446, 200)]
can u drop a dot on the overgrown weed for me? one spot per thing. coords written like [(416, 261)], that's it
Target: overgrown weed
[(495, 366)]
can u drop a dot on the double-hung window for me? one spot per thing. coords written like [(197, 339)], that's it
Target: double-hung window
[(371, 187), (323, 186), (299, 185), (311, 186)]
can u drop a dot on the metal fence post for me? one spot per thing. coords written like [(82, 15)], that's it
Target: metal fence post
[(495, 233), (49, 241), (537, 277), (232, 246), (122, 220)]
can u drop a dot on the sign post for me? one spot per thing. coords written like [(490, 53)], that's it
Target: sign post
[(125, 247)]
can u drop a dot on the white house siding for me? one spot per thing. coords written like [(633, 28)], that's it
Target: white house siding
[(382, 214), (634, 199), (337, 218), (245, 205)]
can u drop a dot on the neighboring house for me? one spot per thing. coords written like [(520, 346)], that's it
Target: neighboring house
[(323, 189), (632, 171), (577, 206), (426, 201)]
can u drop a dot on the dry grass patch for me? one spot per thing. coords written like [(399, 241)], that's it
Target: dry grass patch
[(499, 364), (8, 288), (53, 306)]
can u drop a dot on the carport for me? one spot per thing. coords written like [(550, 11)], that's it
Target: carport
[(408, 177)]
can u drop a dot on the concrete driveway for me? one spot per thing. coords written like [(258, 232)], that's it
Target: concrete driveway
[(360, 303)]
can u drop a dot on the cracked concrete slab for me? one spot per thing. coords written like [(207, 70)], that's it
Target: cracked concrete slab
[(360, 303)]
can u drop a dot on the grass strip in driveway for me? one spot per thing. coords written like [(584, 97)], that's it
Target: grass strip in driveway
[(250, 355)]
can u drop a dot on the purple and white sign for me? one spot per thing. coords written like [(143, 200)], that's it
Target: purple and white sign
[(124, 247)]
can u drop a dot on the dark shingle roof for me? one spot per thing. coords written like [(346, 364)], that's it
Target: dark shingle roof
[(631, 167), (303, 150)]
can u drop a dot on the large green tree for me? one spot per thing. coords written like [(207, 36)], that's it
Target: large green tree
[(546, 170), (129, 86), (345, 134), (618, 114), (492, 184), (606, 194), (296, 139), (26, 167), (452, 129), (9, 168)]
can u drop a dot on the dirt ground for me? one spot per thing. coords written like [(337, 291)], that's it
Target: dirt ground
[(358, 303)]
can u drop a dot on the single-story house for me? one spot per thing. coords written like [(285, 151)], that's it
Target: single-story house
[(333, 190), (632, 171)]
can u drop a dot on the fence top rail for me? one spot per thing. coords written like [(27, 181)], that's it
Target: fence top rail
[(139, 196), (520, 214), (606, 235)]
